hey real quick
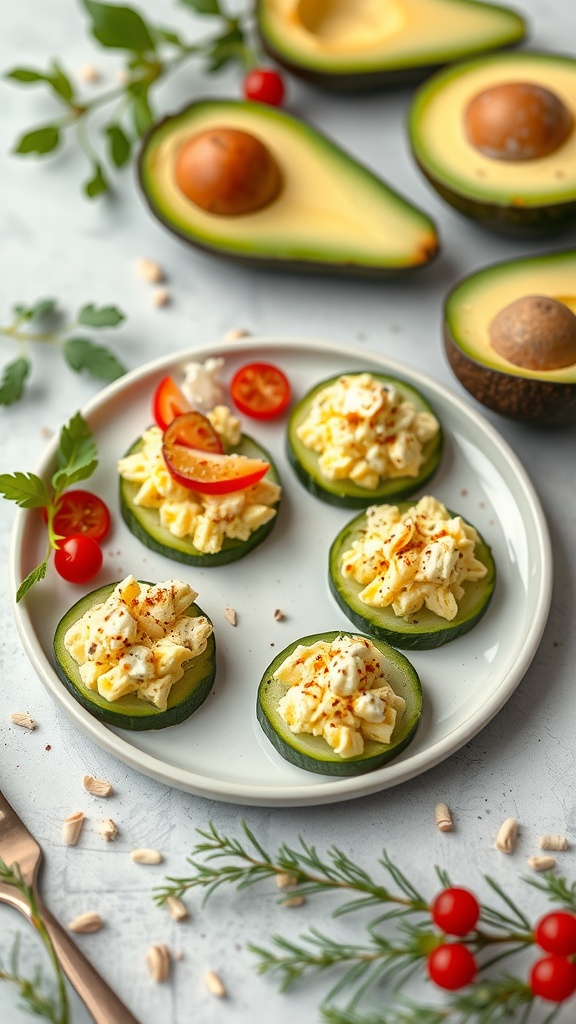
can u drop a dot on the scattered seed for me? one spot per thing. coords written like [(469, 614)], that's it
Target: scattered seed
[(149, 270), (98, 787), (178, 955), (553, 843), (507, 836), (158, 960), (146, 856), (107, 829), (22, 718), (235, 333), (214, 984), (86, 923), (89, 73), (284, 880), (160, 297), (443, 818), (72, 828), (541, 863), (294, 901), (279, 615), (177, 909), (230, 616)]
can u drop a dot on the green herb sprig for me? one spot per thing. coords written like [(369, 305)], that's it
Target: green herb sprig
[(383, 959), (80, 352), (53, 1008), (76, 459), (152, 53)]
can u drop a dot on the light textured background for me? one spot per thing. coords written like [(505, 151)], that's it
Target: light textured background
[(522, 764)]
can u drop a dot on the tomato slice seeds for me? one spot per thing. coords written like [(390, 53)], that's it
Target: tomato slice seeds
[(260, 390)]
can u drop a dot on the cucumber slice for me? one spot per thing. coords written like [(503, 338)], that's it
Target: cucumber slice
[(313, 753), (424, 629), (131, 712), (145, 524), (345, 493)]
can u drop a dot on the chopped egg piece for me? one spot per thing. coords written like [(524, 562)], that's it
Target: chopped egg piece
[(413, 559), (339, 690), (138, 641), (362, 429)]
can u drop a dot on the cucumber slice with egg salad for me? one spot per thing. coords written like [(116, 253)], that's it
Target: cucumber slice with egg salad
[(131, 665), (363, 437), (339, 703), (414, 575)]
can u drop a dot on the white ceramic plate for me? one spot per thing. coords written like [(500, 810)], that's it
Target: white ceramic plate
[(220, 752)]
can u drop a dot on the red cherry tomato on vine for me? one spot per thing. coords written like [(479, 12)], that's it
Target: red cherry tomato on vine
[(264, 85), (451, 966), (556, 933), (553, 978), (168, 402), (193, 430), (260, 390), (455, 911), (81, 512), (78, 558)]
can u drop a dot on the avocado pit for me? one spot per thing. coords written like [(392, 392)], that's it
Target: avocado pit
[(227, 172), (516, 121), (535, 332)]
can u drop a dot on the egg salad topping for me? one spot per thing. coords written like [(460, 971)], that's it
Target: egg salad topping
[(138, 640), (206, 518), (421, 557), (339, 691), (364, 430)]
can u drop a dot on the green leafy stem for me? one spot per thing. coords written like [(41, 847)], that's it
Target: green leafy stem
[(152, 54)]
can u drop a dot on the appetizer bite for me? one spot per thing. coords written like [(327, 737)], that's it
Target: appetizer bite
[(414, 575), (339, 703), (137, 655), (363, 437)]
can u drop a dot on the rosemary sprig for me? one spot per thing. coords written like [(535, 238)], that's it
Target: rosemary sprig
[(152, 53), (80, 352), (53, 1008)]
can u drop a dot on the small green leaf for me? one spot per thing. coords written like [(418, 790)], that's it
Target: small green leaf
[(119, 145), (100, 316), (41, 140), (168, 36), (42, 308), (26, 76), (225, 49), (97, 184), (13, 380), (120, 28), (33, 577), (82, 354), (26, 489), (76, 456), (60, 82), (203, 6), (142, 113)]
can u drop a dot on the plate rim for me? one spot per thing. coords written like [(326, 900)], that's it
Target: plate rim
[(246, 794)]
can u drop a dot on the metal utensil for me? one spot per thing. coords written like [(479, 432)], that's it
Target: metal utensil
[(17, 846)]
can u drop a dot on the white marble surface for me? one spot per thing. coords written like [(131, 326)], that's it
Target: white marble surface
[(522, 764)]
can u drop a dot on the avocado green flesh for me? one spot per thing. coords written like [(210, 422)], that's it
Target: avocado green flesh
[(345, 493), (331, 212), (471, 306), (423, 630), (313, 753), (515, 195), (318, 38), (145, 524), (130, 711)]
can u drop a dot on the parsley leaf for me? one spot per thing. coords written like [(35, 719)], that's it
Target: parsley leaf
[(121, 28), (41, 140), (100, 316), (82, 354), (77, 455), (26, 489), (13, 379), (33, 577)]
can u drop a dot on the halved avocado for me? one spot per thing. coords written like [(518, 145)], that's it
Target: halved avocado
[(523, 196), (544, 397), (364, 44), (330, 214)]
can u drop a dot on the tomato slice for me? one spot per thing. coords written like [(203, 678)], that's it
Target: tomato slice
[(211, 473), (81, 512), (260, 390), (193, 430), (168, 402)]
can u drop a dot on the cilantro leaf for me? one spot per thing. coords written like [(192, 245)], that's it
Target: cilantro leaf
[(33, 577), (121, 28), (77, 455), (142, 112), (42, 308), (82, 354), (60, 82), (13, 379), (26, 489), (97, 184), (26, 76), (226, 48), (119, 145), (100, 316), (41, 140), (204, 6)]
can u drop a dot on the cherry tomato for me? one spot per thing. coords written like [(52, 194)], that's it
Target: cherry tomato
[(193, 430), (168, 402), (264, 85), (451, 966), (556, 933), (455, 911), (209, 473), (81, 512), (78, 558), (260, 390), (553, 978)]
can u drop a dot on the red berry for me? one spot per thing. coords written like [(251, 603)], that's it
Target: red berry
[(556, 933), (264, 86), (553, 978), (455, 911), (451, 966), (78, 558)]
